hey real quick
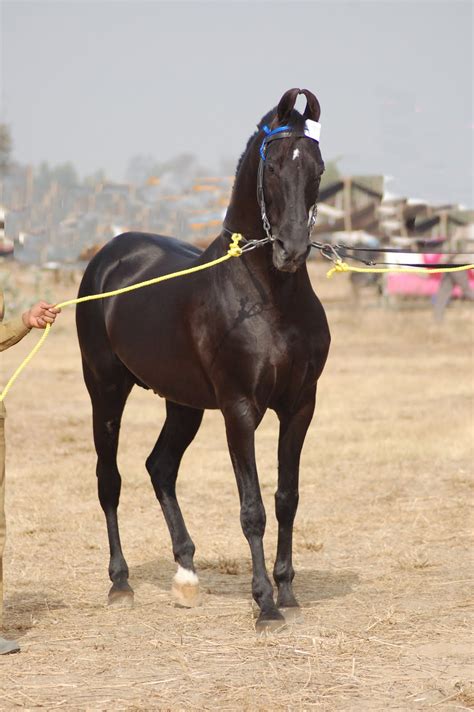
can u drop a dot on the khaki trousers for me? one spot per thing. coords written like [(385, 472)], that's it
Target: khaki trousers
[(2, 508), (443, 295)]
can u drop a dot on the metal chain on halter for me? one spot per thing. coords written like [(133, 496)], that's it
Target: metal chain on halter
[(261, 199), (266, 225), (327, 250), (312, 221), (250, 244)]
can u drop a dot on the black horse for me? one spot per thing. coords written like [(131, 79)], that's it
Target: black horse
[(244, 336)]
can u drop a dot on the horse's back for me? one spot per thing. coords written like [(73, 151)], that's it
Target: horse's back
[(136, 256), (129, 258)]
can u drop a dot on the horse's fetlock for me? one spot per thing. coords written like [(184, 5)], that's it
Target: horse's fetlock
[(184, 554), (118, 573), (262, 591)]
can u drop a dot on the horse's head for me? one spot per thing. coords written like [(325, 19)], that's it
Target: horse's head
[(288, 178)]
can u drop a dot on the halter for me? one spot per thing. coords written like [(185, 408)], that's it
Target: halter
[(312, 131)]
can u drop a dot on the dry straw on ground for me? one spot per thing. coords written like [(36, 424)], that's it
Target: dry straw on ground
[(382, 540)]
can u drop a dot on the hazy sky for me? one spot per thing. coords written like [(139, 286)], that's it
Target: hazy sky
[(97, 82)]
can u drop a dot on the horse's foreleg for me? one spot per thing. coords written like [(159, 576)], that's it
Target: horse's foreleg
[(180, 427), (108, 402), (293, 428), (241, 422)]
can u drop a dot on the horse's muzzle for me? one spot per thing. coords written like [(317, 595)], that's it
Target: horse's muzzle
[(287, 258)]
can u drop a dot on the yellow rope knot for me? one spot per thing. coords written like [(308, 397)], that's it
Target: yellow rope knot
[(234, 249), (339, 266)]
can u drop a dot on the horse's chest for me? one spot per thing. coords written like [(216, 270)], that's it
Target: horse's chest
[(270, 354), (261, 350), (290, 354)]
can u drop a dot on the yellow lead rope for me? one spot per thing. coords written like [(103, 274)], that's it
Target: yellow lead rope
[(340, 266), (234, 251)]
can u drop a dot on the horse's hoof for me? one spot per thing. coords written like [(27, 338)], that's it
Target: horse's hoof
[(121, 597), (293, 614), (185, 589), (263, 626)]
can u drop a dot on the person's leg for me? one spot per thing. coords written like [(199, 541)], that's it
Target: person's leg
[(462, 279), (443, 296), (6, 646)]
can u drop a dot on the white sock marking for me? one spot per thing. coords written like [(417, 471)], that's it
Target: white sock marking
[(186, 576)]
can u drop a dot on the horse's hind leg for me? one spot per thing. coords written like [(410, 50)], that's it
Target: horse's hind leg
[(293, 428), (181, 425), (108, 400)]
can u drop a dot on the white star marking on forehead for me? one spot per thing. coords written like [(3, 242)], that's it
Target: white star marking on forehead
[(296, 153)]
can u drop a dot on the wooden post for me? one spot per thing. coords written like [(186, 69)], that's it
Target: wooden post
[(347, 204), (29, 185), (443, 225), (401, 217)]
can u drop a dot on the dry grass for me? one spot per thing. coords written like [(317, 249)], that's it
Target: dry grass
[(382, 542)]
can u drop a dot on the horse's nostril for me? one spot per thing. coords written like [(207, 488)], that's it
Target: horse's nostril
[(280, 244)]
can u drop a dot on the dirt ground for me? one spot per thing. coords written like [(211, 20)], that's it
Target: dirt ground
[(382, 537)]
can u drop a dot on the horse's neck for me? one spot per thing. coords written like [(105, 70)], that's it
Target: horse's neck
[(254, 274), (243, 216), (243, 213)]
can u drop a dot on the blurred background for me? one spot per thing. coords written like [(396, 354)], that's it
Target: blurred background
[(132, 115)]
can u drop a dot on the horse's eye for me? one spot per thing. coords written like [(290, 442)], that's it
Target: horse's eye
[(270, 168)]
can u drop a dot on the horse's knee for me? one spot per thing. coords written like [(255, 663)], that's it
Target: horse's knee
[(253, 519), (286, 504)]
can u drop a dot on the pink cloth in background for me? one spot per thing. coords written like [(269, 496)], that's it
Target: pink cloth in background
[(419, 284)]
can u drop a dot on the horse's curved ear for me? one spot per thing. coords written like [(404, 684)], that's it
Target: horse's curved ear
[(313, 109), (286, 105)]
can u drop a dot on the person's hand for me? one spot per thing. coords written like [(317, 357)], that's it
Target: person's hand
[(39, 315)]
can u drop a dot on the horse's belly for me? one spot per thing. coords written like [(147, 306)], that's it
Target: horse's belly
[(170, 376), (185, 388)]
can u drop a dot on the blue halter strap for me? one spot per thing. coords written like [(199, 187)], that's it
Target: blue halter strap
[(270, 132)]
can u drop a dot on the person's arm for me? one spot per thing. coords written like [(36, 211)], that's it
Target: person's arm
[(37, 317), (11, 332)]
